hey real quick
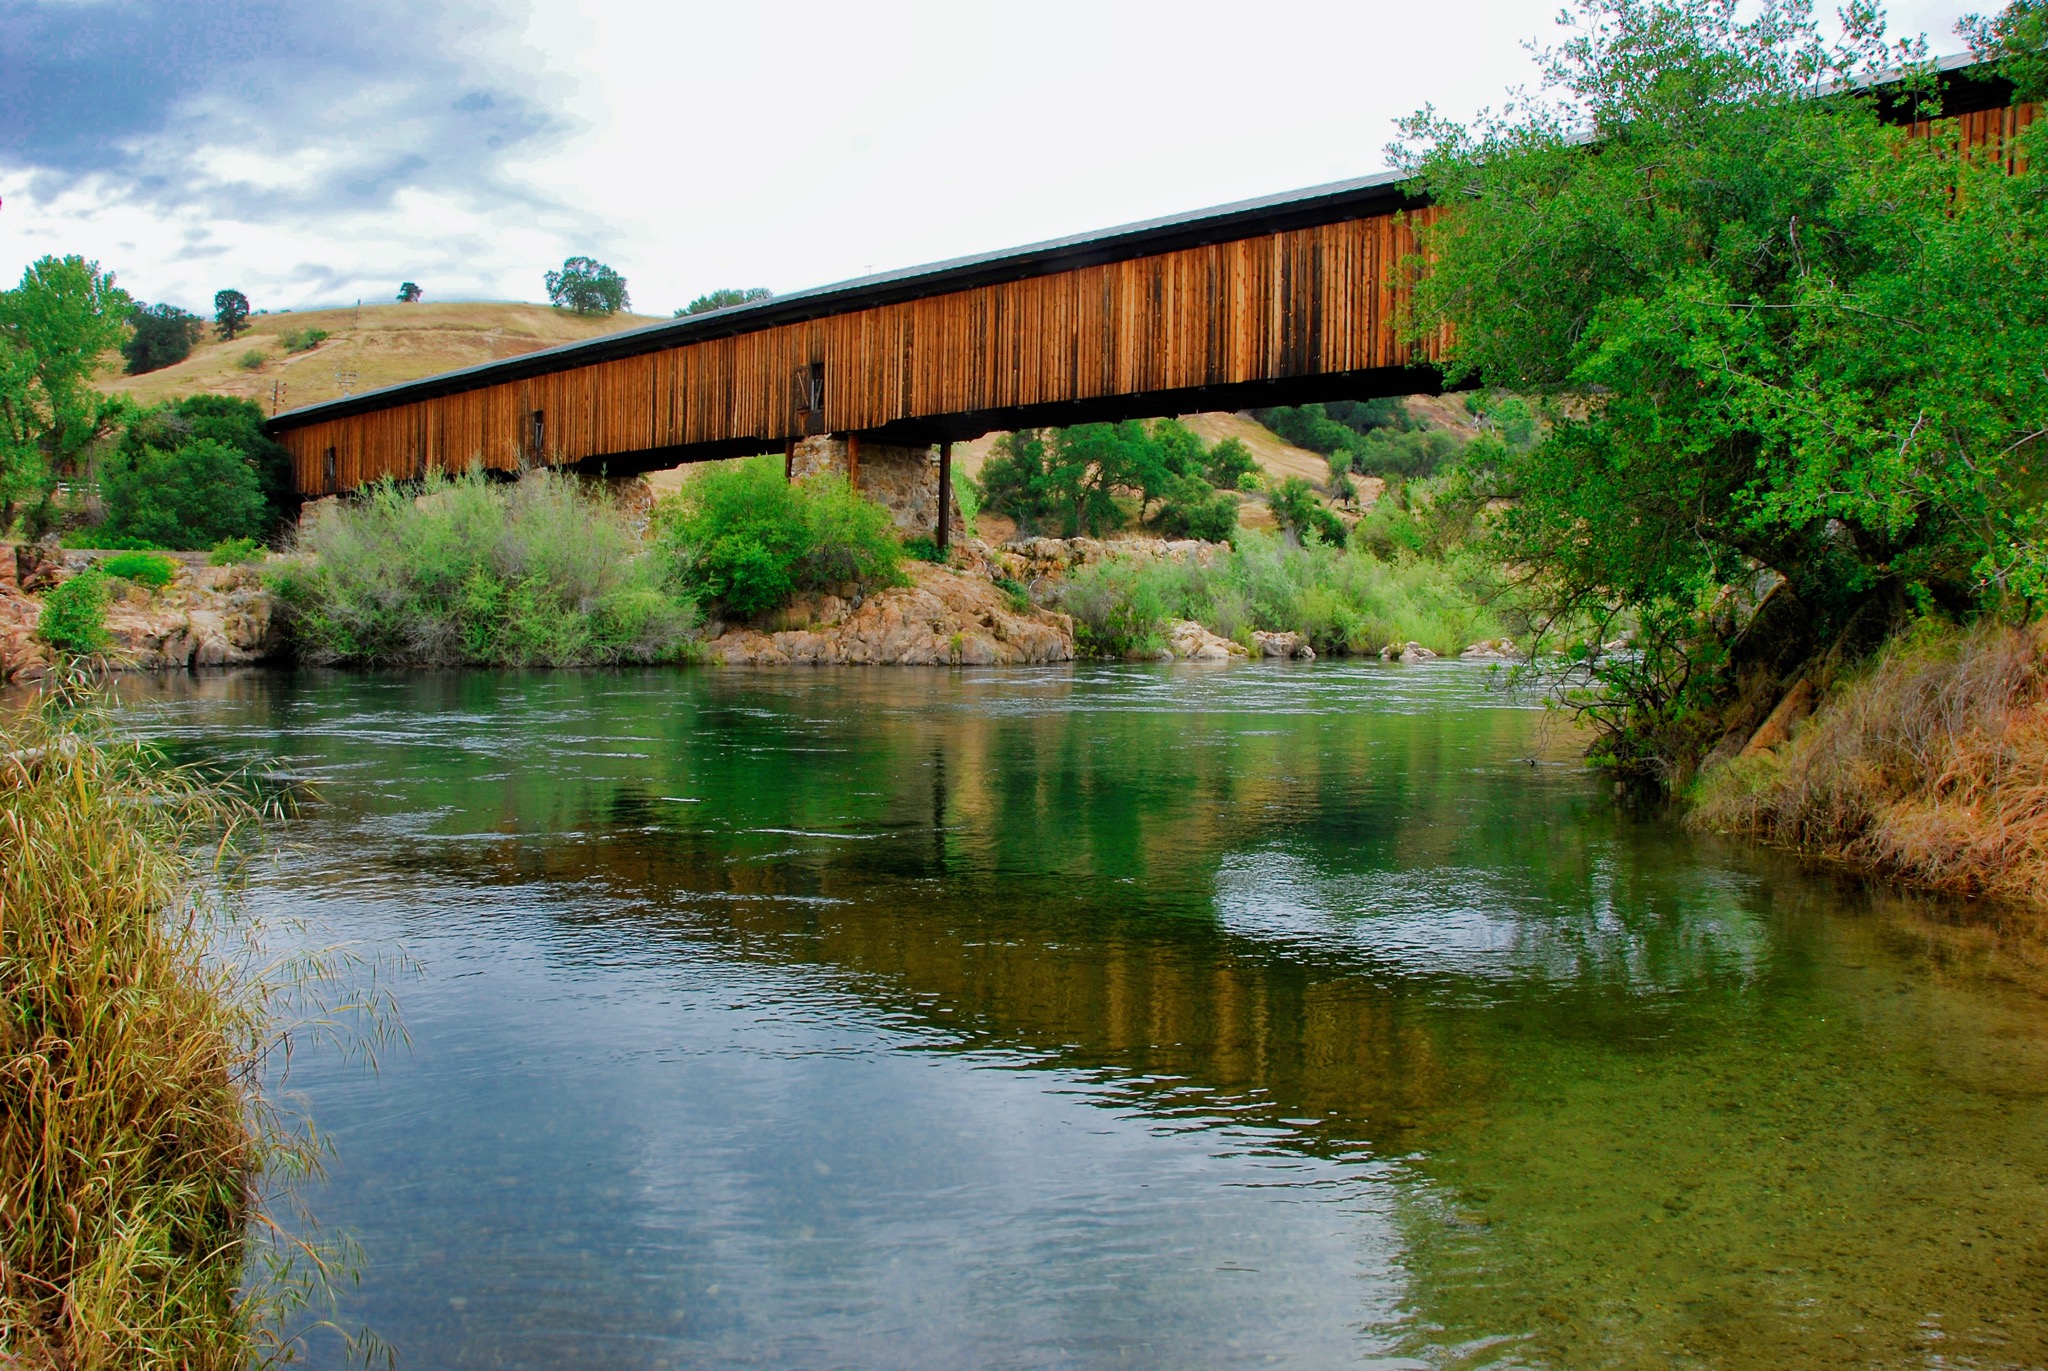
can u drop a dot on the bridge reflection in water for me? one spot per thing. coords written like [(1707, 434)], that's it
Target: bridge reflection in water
[(1573, 1087)]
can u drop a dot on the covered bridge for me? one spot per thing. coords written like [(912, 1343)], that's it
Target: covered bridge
[(1282, 300)]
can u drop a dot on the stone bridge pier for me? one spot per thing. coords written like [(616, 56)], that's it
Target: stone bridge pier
[(909, 482)]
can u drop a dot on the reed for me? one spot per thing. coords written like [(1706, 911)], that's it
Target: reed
[(133, 1129), (1931, 766)]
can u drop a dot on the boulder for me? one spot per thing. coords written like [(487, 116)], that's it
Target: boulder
[(1288, 645), (1491, 649), (1188, 641), (1415, 652)]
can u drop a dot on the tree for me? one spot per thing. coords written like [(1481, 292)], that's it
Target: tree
[(223, 419), (587, 286), (1785, 344), (725, 299), (192, 496), (163, 336), (1297, 510), (409, 293), (230, 313), (1228, 464), (54, 328)]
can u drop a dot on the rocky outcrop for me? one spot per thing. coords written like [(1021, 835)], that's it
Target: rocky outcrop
[(207, 616), (1410, 651), (1492, 650), (1188, 641), (943, 617)]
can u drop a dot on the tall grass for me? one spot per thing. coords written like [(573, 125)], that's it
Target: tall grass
[(1932, 766), (469, 571), (132, 1127), (1340, 600)]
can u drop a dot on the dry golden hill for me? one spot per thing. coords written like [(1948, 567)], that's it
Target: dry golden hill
[(378, 345)]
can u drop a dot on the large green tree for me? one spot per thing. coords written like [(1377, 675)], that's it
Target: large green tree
[(1792, 352), (587, 286), (163, 336), (54, 328)]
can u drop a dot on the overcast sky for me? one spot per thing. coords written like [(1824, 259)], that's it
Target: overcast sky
[(311, 153)]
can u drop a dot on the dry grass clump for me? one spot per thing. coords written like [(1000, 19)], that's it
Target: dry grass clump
[(132, 1133), (1932, 767)]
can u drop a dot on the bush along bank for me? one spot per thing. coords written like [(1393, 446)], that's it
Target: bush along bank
[(133, 1129), (464, 570), (1929, 764)]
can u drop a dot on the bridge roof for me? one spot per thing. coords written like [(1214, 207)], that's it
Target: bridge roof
[(1314, 205)]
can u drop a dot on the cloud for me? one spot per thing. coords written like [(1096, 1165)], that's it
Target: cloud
[(203, 129)]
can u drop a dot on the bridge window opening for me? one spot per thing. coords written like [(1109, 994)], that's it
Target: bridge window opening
[(328, 468), (537, 433)]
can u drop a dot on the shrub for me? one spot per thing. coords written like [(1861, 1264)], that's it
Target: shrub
[(1341, 601), (1117, 610), (1228, 463), (303, 340), (1929, 766), (1298, 511), (235, 551), (252, 359), (922, 550), (93, 539), (1018, 598), (743, 536), (74, 619), (235, 422), (151, 569), (192, 496), (468, 571), (1190, 508)]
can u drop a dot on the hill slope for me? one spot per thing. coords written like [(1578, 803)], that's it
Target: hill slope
[(379, 345)]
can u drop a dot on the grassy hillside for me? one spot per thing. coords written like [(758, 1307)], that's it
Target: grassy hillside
[(380, 344)]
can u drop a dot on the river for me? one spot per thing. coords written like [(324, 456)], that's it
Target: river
[(1324, 1015)]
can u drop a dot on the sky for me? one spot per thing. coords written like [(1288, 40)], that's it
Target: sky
[(312, 153)]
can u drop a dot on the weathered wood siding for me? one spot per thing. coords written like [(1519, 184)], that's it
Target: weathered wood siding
[(1292, 304)]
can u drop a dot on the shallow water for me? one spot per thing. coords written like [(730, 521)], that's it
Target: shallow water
[(1303, 1016)]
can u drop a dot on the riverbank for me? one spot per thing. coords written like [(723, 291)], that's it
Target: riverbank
[(131, 1136), (1928, 766)]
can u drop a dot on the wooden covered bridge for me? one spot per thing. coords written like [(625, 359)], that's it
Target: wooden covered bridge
[(1283, 300)]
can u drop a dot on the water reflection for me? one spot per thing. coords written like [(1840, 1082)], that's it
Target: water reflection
[(1125, 1016)]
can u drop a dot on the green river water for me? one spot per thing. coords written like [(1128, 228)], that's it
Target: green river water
[(1316, 1015)]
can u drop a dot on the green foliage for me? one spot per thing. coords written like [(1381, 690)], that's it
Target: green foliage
[(747, 539), (1015, 593), (1096, 478), (54, 327), (1117, 609), (95, 539), (967, 495), (238, 424), (1797, 342), (1190, 507), (922, 550), (1298, 511), (587, 286), (252, 359), (465, 570), (2016, 38), (725, 299), (235, 552), (1376, 437), (409, 293), (230, 313), (1228, 464), (1341, 601), (304, 340), (163, 336), (74, 619), (151, 569), (190, 496)]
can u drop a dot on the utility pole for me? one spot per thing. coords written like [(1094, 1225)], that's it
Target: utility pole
[(277, 390)]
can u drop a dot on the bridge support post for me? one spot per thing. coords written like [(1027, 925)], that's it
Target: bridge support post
[(898, 478)]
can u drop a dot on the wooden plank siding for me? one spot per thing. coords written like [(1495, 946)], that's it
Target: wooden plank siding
[(1298, 303), (1304, 302)]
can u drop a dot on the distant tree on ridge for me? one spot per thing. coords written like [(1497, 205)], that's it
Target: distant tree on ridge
[(587, 286), (230, 313), (725, 299), (409, 293)]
